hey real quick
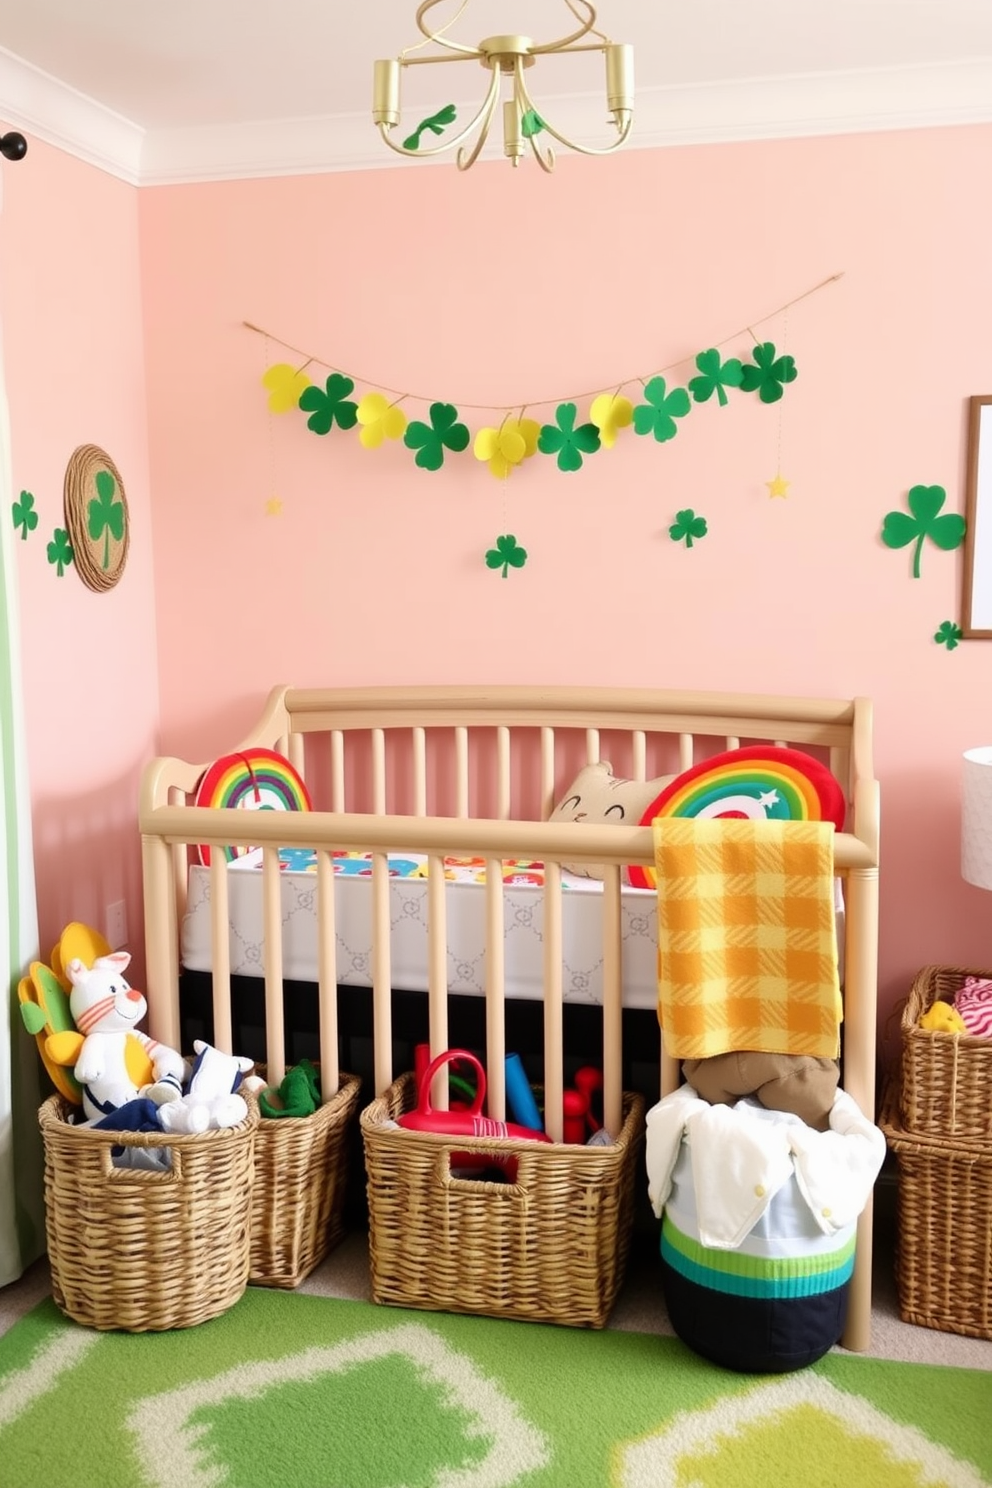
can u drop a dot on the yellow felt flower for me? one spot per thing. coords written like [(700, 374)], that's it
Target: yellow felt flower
[(505, 447), (284, 384), (380, 420), (611, 413)]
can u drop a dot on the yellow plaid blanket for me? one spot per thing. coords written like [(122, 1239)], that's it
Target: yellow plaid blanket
[(747, 948)]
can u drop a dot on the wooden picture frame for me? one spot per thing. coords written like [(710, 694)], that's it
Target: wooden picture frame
[(976, 617)]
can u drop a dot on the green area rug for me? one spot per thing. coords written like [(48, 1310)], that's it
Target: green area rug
[(289, 1391)]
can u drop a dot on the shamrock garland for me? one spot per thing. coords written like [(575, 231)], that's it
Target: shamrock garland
[(924, 502), (506, 554), (504, 447)]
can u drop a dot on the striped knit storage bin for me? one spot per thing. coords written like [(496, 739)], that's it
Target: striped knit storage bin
[(301, 1180), (550, 1247), (141, 1250), (775, 1303)]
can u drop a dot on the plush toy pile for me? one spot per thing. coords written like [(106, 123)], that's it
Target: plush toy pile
[(100, 1060)]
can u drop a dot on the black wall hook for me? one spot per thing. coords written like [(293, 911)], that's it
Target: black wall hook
[(13, 146)]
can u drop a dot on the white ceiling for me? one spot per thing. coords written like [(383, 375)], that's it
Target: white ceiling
[(197, 89)]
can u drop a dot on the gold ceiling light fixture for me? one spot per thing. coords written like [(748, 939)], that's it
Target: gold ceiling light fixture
[(510, 57)]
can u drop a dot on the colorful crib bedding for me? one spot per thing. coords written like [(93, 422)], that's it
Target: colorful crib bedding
[(523, 894)]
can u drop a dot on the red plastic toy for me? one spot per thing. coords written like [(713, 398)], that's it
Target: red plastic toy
[(463, 1123)]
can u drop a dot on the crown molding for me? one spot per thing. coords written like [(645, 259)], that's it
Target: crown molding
[(790, 107), (46, 109)]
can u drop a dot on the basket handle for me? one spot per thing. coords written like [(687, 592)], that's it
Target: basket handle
[(171, 1174), (451, 1056)]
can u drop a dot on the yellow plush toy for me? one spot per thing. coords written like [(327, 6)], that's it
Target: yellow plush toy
[(940, 1017)]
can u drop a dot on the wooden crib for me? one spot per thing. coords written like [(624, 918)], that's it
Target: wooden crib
[(463, 771)]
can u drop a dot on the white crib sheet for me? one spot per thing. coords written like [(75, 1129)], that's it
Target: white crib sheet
[(523, 900)]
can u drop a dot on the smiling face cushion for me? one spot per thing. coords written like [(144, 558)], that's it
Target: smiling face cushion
[(597, 795)]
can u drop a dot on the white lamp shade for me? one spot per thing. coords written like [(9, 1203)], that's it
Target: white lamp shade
[(976, 817)]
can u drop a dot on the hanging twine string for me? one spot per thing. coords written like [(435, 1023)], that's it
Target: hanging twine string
[(308, 358)]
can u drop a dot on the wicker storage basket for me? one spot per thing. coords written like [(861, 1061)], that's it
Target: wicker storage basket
[(549, 1248), (301, 1178), (142, 1251), (946, 1077), (944, 1245)]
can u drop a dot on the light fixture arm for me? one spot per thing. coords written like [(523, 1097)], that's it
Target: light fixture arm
[(488, 107), (526, 103)]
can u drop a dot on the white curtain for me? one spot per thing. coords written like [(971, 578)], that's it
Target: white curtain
[(22, 1218)]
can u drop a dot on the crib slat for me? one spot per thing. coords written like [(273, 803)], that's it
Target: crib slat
[(337, 770), (592, 746), (382, 1011), (275, 1032), (220, 945), (502, 774), (638, 749), (495, 991), (686, 747), (554, 1082), (327, 977), (461, 772), (437, 979), (419, 743), (612, 1002), (547, 772), (379, 771)]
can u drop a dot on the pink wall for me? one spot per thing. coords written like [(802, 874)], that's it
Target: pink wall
[(513, 286), (74, 355)]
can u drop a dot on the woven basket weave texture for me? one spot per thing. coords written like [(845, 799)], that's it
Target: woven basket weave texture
[(143, 1251), (551, 1247), (946, 1077), (944, 1214), (301, 1180)]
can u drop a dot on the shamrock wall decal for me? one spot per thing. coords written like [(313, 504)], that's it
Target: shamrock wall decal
[(506, 554), (924, 502), (715, 376), (566, 441), (60, 551), (24, 514), (687, 526), (948, 635), (431, 440), (658, 414), (767, 374), (104, 515), (329, 405)]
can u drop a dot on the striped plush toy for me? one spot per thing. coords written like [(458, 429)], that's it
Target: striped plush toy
[(974, 1002)]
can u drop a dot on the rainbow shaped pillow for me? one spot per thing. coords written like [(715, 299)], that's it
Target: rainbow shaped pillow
[(254, 780), (759, 782)]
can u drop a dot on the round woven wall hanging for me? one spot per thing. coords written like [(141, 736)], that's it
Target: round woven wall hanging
[(96, 516)]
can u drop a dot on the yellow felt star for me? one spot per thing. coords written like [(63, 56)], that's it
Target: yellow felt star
[(778, 486), (273, 507), (380, 420), (504, 448), (284, 384), (611, 413)]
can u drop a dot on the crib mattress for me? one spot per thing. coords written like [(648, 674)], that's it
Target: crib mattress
[(523, 908)]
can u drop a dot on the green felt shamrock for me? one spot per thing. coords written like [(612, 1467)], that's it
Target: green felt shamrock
[(104, 516), (436, 124), (715, 376), (924, 502), (60, 551), (24, 514), (687, 526), (506, 554), (329, 405), (566, 441), (531, 123), (948, 635), (657, 416), (767, 374), (431, 440)]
